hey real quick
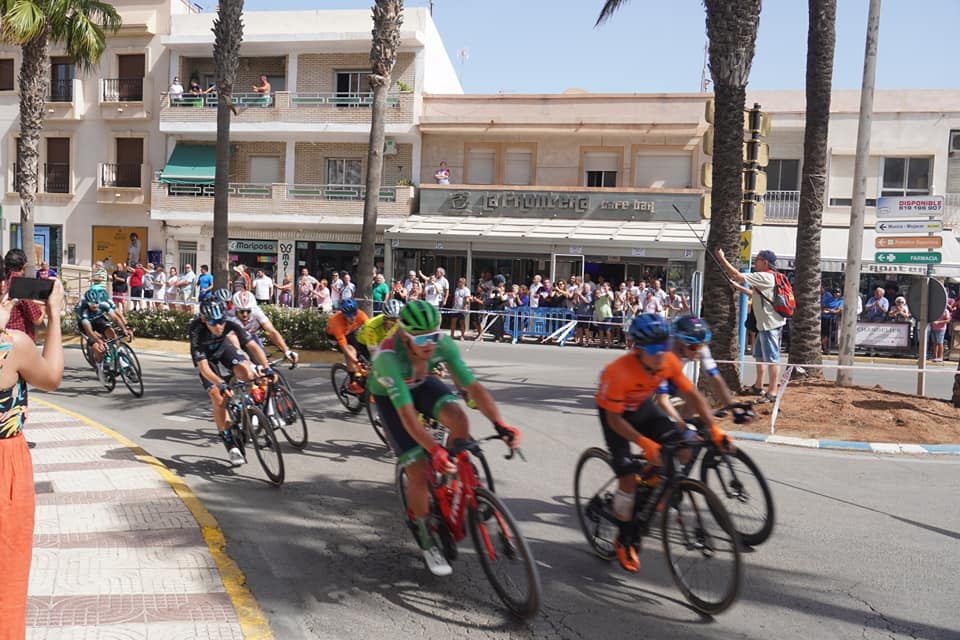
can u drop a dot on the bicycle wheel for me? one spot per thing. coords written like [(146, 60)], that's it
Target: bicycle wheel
[(109, 375), (87, 351), (701, 546), (260, 432), (341, 378), (744, 492), (130, 371), (287, 416), (594, 484), (504, 554), (375, 420)]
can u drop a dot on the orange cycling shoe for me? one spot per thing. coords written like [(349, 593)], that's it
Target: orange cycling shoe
[(355, 387), (627, 556)]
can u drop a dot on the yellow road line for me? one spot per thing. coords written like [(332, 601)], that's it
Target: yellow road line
[(253, 622)]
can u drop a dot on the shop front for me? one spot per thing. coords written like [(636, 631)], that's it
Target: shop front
[(254, 254), (323, 258), (47, 243)]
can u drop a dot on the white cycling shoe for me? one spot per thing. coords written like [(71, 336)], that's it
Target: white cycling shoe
[(436, 562), (236, 457)]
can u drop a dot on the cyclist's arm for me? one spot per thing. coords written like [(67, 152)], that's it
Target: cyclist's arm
[(208, 373), (258, 354), (275, 336), (662, 398), (720, 389), (336, 329)]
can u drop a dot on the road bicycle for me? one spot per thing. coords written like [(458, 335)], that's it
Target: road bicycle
[(281, 407), (460, 502), (700, 543), (341, 378), (250, 425), (119, 361)]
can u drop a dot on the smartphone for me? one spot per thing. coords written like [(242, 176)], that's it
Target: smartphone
[(30, 288)]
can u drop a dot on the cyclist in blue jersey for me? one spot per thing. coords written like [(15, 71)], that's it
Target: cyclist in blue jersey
[(96, 317)]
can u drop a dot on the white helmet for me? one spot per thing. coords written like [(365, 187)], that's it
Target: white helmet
[(392, 308), (243, 301)]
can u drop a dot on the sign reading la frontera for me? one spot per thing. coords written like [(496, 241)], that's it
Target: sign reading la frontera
[(910, 206)]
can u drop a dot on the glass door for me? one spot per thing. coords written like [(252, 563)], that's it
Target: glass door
[(565, 265)]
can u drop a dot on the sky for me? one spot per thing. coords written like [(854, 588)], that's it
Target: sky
[(653, 46)]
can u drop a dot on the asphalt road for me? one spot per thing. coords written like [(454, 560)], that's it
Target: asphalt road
[(865, 545)]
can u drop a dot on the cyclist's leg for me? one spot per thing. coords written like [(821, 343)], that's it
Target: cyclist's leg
[(434, 399), (651, 421), (94, 339), (625, 497)]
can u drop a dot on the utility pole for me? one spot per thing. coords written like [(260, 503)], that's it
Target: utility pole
[(851, 288)]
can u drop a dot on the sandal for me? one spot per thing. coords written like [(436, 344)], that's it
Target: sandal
[(753, 391), (765, 398)]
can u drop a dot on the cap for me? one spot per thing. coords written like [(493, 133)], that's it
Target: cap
[(769, 256)]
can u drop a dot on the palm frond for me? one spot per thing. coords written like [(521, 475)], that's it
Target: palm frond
[(609, 8), (22, 21)]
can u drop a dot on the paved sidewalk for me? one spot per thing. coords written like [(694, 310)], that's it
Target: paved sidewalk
[(122, 548)]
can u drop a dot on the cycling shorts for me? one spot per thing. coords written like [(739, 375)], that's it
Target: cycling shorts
[(362, 350), (428, 398), (226, 355), (651, 422)]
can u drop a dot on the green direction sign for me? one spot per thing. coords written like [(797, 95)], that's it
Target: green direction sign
[(918, 257)]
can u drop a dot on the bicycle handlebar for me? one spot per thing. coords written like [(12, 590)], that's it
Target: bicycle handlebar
[(473, 446)]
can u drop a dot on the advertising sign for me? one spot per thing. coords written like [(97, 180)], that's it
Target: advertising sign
[(908, 242), (910, 207), (115, 244), (893, 335)]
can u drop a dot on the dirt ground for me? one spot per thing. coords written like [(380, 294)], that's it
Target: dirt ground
[(822, 410)]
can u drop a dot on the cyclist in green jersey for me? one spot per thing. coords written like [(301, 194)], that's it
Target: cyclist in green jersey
[(403, 387)]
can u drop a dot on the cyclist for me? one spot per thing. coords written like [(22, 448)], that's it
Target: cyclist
[(403, 387), (94, 315), (210, 346), (248, 313), (343, 327), (691, 336), (628, 413), (377, 328)]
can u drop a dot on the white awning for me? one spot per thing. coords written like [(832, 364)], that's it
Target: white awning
[(518, 230)]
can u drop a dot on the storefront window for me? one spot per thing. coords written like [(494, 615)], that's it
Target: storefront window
[(47, 242)]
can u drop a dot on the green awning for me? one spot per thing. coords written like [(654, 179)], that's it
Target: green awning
[(190, 164)]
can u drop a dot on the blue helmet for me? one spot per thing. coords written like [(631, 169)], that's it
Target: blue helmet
[(648, 329), (349, 307), (691, 330)]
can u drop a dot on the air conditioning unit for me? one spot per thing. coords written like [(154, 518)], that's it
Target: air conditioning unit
[(955, 142), (389, 147)]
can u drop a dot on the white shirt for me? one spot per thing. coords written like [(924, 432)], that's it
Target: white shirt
[(347, 291), (262, 288), (460, 298), (176, 90), (133, 253), (433, 294), (762, 282), (187, 279)]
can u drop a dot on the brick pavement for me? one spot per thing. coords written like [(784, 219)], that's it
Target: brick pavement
[(122, 548)]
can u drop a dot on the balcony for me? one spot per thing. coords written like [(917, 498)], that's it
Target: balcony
[(314, 110), (781, 206), (121, 183), (56, 177), (123, 99), (64, 100), (294, 203)]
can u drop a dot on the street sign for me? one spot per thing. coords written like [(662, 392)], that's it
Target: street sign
[(909, 226), (936, 299), (920, 257), (908, 242), (746, 237), (910, 207)]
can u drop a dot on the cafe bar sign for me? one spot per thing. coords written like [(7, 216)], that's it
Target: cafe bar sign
[(606, 205)]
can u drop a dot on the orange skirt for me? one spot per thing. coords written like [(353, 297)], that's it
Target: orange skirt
[(16, 535)]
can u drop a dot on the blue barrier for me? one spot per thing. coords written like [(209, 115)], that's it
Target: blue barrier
[(537, 322)]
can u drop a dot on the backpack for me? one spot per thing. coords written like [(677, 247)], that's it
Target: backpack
[(784, 303)]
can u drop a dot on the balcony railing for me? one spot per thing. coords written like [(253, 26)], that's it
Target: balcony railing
[(61, 91), (123, 90), (202, 100), (120, 175), (237, 189), (781, 206), (56, 177), (337, 192), (951, 215), (339, 99)]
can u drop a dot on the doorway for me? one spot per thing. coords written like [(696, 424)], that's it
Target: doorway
[(131, 70), (566, 265), (129, 161)]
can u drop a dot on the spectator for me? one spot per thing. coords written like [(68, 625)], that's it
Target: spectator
[(535, 287), (495, 303), (676, 304), (411, 278), (543, 293), (263, 86), (477, 302), (194, 88), (45, 272), (399, 292), (172, 291), (442, 175), (766, 349), (262, 288), (242, 272), (461, 305), (831, 305), (305, 288), (136, 285), (336, 288), (188, 281), (286, 291), (148, 279), (23, 365), (416, 292), (25, 315), (603, 313), (380, 292), (432, 292), (877, 307), (938, 330), (900, 311), (581, 299), (322, 296), (175, 91), (524, 299), (120, 287), (349, 289), (204, 283), (159, 287), (659, 293), (652, 303), (134, 250)]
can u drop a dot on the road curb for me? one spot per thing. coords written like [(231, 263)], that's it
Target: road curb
[(253, 621), (847, 445)]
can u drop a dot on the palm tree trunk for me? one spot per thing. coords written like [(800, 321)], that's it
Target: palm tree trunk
[(228, 35), (821, 40), (387, 18), (34, 85)]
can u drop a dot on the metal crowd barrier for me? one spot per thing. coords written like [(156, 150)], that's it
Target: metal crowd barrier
[(539, 322)]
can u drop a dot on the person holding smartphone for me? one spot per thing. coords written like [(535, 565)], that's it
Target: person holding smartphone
[(25, 315)]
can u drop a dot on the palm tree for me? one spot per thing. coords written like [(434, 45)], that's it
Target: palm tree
[(227, 34), (821, 40), (81, 27), (387, 18), (732, 33)]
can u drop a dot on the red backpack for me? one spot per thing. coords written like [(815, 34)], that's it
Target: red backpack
[(783, 301)]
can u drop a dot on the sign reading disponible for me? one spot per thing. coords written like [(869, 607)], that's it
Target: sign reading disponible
[(892, 335)]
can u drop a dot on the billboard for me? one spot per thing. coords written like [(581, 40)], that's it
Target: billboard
[(116, 244)]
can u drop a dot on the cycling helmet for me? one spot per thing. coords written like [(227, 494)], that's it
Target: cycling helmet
[(243, 301), (392, 308), (649, 329), (419, 316), (212, 310), (221, 295), (96, 295), (691, 330), (349, 307)]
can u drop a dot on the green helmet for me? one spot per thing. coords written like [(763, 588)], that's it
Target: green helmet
[(419, 316), (96, 295)]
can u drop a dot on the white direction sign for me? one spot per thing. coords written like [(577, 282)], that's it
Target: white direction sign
[(896, 227), (910, 207)]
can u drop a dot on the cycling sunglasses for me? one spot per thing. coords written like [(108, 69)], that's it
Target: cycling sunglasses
[(655, 349), (214, 323), (243, 311), (423, 339)]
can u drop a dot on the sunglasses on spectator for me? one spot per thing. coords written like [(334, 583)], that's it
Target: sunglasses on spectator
[(424, 339), (214, 323), (655, 349)]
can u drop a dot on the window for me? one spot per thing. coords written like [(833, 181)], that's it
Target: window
[(518, 166), (783, 175), (343, 171), (188, 254), (601, 169), (56, 170), (662, 171), (482, 167), (906, 177), (61, 80), (353, 88), (6, 74)]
